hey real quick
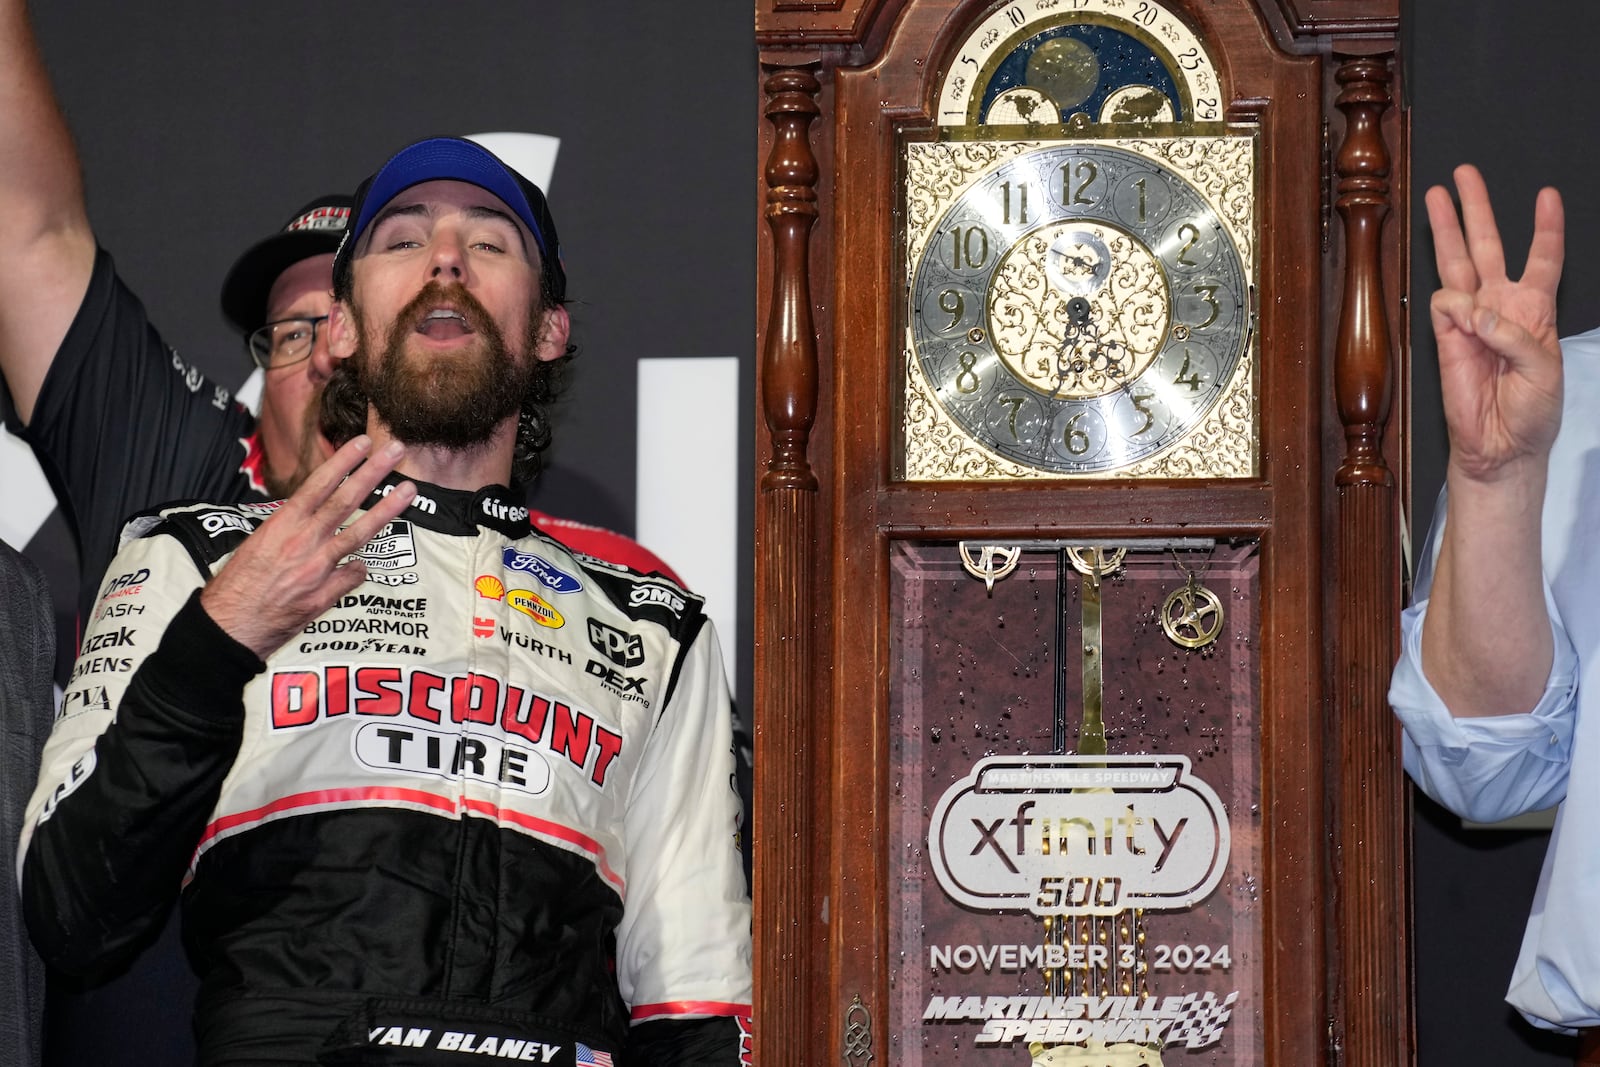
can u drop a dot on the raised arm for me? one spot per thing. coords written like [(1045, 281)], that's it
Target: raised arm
[(1501, 375), (46, 245)]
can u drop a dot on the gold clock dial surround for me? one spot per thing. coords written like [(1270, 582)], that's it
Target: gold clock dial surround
[(1080, 308)]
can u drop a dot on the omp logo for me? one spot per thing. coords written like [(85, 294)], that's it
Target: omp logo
[(220, 522), (618, 646), (655, 594)]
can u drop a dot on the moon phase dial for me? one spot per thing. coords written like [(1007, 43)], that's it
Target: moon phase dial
[(1076, 308)]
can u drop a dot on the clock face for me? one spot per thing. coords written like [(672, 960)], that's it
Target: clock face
[(1078, 308)]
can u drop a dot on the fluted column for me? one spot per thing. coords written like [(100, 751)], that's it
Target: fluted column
[(1369, 858), (785, 567)]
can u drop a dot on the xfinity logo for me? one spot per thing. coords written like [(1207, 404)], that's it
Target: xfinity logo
[(618, 646)]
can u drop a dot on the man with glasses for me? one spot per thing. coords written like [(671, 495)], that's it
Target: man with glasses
[(121, 419), (352, 730), (124, 423)]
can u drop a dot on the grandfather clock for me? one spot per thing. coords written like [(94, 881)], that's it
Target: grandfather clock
[(1077, 568)]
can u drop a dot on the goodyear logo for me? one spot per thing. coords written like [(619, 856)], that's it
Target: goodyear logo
[(536, 608)]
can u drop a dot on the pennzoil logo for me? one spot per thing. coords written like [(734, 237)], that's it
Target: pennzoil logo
[(536, 608), (526, 601)]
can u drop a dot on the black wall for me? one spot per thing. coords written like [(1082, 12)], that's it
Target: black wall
[(1501, 85), (202, 125)]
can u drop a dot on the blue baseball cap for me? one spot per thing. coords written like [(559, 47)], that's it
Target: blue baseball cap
[(460, 160)]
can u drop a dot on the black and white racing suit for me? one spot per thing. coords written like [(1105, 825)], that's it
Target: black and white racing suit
[(483, 807)]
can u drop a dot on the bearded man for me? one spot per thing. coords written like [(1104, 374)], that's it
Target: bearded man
[(432, 786)]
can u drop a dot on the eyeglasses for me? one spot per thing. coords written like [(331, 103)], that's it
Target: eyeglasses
[(283, 343)]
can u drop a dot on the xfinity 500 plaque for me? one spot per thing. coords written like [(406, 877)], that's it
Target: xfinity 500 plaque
[(1077, 805)]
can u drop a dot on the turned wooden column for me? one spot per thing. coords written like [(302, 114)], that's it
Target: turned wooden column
[(1369, 860), (785, 567)]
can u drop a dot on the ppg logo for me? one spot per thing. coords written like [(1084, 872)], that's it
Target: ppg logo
[(618, 646)]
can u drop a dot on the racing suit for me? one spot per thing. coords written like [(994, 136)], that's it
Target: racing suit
[(482, 807)]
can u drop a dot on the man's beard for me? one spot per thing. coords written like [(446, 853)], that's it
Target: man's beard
[(308, 458), (454, 401)]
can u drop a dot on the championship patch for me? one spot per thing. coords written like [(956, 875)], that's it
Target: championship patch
[(391, 549)]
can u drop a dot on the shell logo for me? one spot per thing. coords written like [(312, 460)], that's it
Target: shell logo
[(536, 608), (489, 587)]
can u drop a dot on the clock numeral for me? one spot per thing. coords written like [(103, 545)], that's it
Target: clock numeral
[(952, 303), (1206, 106), (1087, 172), (967, 253), (1015, 404), (1140, 185), (1190, 231), (1141, 404), (1022, 203), (1016, 16), (1186, 377), (967, 379), (1189, 59), (1208, 293), (1146, 14), (1075, 440)]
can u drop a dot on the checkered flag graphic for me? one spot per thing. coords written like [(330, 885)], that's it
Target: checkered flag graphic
[(1202, 1020)]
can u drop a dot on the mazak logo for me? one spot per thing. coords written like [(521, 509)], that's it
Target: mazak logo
[(656, 594), (618, 646), (544, 572)]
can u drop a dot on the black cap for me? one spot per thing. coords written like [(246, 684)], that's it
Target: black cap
[(455, 159), (314, 230)]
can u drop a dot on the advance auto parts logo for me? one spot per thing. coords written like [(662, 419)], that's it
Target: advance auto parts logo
[(1079, 835)]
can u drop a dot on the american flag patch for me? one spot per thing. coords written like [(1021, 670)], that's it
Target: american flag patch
[(592, 1058)]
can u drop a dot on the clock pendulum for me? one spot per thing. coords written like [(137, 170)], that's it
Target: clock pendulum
[(1192, 615)]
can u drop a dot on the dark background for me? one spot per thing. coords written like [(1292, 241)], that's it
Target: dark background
[(201, 125), (1500, 85)]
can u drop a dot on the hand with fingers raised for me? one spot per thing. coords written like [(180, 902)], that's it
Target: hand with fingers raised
[(1499, 352), (298, 562)]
